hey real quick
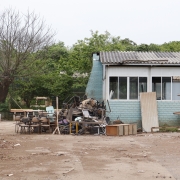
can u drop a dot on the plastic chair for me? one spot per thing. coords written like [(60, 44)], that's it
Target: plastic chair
[(50, 113)]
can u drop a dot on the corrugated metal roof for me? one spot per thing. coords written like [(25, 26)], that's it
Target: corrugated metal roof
[(133, 57)]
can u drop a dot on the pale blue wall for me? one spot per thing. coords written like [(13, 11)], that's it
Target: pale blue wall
[(130, 112), (165, 112), (127, 111), (94, 86)]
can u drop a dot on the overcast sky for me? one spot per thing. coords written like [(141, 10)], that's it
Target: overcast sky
[(143, 21)]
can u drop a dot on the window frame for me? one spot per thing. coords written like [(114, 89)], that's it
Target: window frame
[(128, 88), (171, 87)]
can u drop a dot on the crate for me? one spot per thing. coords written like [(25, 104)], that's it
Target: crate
[(130, 129), (121, 129), (114, 130), (134, 129), (125, 129)]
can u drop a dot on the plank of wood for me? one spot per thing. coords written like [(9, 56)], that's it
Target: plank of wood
[(21, 110), (149, 111), (126, 129), (176, 113), (130, 129), (134, 129)]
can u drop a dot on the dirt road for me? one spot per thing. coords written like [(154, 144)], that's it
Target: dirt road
[(68, 157)]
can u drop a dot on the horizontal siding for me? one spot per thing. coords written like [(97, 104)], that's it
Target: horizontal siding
[(130, 112), (127, 111), (165, 112)]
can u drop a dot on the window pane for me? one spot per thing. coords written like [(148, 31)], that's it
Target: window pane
[(156, 87), (133, 94), (113, 87), (122, 87), (166, 88), (175, 87), (142, 84)]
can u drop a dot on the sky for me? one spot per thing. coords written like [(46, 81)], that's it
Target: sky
[(142, 21)]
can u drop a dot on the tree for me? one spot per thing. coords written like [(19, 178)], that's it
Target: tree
[(173, 46), (52, 80), (21, 36)]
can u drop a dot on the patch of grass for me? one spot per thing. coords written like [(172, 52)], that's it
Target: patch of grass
[(167, 128)]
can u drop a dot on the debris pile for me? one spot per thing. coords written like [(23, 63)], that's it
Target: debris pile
[(86, 116)]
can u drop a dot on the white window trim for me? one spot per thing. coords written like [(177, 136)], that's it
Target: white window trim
[(128, 86)]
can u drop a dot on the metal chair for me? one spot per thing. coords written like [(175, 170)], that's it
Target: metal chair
[(24, 125), (17, 123)]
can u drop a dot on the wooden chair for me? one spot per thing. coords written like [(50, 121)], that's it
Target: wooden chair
[(44, 124), (34, 124), (53, 125)]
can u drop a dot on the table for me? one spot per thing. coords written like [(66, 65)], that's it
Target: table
[(25, 111)]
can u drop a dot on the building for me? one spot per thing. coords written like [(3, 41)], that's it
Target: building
[(120, 77)]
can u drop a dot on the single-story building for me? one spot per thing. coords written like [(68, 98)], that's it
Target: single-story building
[(120, 77)]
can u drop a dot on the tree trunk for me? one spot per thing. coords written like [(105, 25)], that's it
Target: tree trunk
[(28, 103), (4, 92)]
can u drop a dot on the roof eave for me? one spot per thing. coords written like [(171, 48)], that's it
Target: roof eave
[(130, 64)]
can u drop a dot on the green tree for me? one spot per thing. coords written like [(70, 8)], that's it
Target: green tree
[(51, 79), (173, 46)]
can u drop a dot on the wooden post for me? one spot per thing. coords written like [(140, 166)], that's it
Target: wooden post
[(70, 125), (76, 127), (57, 126)]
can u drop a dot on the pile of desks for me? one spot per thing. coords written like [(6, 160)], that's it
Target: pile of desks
[(121, 129)]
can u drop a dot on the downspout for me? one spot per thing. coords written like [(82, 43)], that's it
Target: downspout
[(104, 83)]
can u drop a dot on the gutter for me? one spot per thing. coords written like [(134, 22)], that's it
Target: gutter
[(154, 65)]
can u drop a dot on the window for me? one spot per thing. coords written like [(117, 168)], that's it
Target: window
[(122, 87), (166, 88), (127, 87), (113, 87), (163, 89), (175, 88), (156, 87), (142, 84), (133, 88)]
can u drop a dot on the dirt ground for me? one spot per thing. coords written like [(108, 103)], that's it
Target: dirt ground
[(144, 156)]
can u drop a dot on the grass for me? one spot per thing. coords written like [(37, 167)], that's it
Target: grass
[(167, 128)]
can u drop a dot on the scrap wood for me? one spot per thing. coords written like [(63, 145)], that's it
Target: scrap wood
[(178, 113), (68, 171), (164, 127)]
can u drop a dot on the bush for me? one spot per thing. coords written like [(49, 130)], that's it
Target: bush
[(4, 107)]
